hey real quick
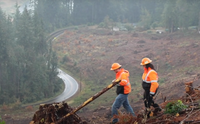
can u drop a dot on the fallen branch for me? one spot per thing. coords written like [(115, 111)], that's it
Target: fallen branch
[(187, 116)]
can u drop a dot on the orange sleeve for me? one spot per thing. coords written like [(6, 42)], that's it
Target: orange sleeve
[(124, 79), (154, 82), (154, 86)]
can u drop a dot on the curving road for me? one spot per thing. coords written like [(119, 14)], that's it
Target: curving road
[(71, 87)]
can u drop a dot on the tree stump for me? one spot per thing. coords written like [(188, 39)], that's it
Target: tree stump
[(50, 113), (189, 88)]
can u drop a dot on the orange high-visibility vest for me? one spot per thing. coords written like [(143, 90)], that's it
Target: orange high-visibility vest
[(151, 76), (123, 75)]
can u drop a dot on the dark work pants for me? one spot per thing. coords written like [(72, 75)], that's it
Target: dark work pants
[(148, 100)]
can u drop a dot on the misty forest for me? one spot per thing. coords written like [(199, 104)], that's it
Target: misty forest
[(28, 65)]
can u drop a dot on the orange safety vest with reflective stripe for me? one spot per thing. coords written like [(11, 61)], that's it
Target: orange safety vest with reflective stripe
[(123, 75), (151, 76)]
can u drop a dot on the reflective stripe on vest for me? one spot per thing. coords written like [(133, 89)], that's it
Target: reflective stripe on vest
[(145, 80), (125, 85), (128, 84), (124, 80)]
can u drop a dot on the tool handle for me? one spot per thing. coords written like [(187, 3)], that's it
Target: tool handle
[(88, 101)]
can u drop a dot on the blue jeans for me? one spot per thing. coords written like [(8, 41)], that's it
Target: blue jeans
[(121, 99)]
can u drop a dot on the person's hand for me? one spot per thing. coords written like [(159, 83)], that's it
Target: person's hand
[(151, 95), (113, 81), (117, 80)]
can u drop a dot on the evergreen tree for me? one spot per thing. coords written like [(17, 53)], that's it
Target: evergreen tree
[(24, 74), (3, 55), (169, 16)]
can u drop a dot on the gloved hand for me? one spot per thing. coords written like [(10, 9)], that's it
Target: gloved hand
[(113, 80), (151, 95), (116, 81)]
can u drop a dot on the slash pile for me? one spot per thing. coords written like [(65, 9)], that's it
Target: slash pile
[(51, 113), (189, 115)]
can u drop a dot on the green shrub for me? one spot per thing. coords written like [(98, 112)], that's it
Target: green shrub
[(154, 25), (128, 27), (1, 121), (174, 107), (149, 31), (76, 27), (65, 59), (101, 25)]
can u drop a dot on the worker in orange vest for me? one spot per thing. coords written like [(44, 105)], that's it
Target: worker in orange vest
[(123, 89), (150, 85)]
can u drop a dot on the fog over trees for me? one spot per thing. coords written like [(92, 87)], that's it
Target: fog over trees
[(169, 14), (28, 64)]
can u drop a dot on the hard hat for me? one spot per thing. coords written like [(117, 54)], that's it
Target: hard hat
[(115, 66), (145, 61)]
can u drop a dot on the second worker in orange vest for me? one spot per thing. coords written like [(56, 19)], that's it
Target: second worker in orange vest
[(149, 84)]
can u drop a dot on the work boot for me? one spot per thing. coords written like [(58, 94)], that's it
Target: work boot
[(148, 112), (114, 121), (157, 108)]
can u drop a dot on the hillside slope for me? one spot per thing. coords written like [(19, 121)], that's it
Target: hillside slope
[(88, 52)]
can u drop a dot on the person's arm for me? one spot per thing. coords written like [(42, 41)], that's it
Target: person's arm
[(154, 82), (124, 79)]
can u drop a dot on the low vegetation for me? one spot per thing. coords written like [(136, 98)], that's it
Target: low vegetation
[(175, 107), (1, 121)]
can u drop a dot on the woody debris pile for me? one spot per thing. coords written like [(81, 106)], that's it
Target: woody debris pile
[(51, 113)]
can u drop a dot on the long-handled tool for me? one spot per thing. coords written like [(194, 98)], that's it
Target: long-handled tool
[(88, 101)]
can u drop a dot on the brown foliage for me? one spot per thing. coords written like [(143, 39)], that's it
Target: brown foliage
[(29, 108), (125, 118)]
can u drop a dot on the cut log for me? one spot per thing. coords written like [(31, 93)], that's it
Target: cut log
[(189, 88)]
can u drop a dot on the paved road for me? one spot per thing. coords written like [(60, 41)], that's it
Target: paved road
[(71, 87)]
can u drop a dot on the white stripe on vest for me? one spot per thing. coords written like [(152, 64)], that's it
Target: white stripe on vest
[(145, 80)]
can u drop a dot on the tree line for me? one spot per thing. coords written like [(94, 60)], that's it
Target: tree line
[(169, 14), (28, 66)]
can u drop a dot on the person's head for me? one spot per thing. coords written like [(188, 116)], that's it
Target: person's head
[(146, 63), (115, 67)]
